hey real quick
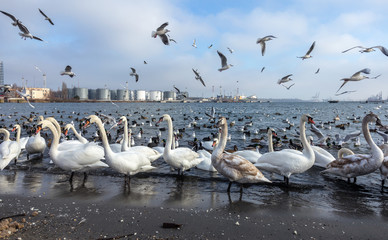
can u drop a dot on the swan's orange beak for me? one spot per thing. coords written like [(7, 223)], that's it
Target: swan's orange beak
[(38, 128), (214, 143), (87, 123), (160, 120), (66, 132), (13, 129), (274, 134), (310, 120)]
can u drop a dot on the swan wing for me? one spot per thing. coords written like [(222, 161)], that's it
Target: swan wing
[(239, 163), (185, 153), (86, 155)]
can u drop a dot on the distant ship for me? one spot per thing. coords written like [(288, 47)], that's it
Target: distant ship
[(376, 98), (333, 101)]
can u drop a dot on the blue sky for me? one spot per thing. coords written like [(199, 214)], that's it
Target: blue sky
[(102, 39)]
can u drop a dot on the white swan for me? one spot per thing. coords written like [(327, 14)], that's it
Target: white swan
[(253, 156), (206, 163), (64, 145), (180, 158), (22, 141), (150, 153), (80, 159), (78, 135), (322, 157), (289, 161), (127, 163), (234, 167), (355, 165), (9, 150), (35, 144)]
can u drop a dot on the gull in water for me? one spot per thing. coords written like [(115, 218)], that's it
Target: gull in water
[(288, 87), (46, 18), (307, 55), (15, 20), (198, 77), (68, 72), (337, 94), (355, 77), (161, 32), (262, 42), (230, 50), (224, 63), (369, 49), (285, 79), (25, 96), (194, 44), (133, 73), (25, 33)]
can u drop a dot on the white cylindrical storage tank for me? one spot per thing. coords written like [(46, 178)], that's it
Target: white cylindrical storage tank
[(155, 96), (140, 95), (102, 94), (131, 95), (92, 93), (120, 94), (169, 95), (113, 95), (82, 93), (70, 93)]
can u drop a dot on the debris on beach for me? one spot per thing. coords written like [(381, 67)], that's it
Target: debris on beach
[(9, 227), (171, 225)]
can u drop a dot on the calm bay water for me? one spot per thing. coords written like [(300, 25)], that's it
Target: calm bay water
[(199, 188)]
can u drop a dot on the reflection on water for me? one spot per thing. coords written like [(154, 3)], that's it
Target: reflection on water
[(201, 189)]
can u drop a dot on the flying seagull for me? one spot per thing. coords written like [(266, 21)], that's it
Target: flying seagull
[(68, 72), (194, 44), (46, 18), (179, 92), (317, 71), (224, 63), (15, 21), (161, 32), (288, 88), (230, 50), (198, 77), (355, 77), (369, 49), (25, 33), (307, 55), (145, 62), (211, 45), (285, 79), (25, 96), (262, 69), (133, 73), (337, 94), (262, 42)]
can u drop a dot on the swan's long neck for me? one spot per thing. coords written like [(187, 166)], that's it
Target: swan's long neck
[(125, 145), (56, 124), (309, 153), (219, 149), (107, 150), (6, 134), (78, 136), (18, 129), (167, 148), (55, 142), (376, 151), (270, 144)]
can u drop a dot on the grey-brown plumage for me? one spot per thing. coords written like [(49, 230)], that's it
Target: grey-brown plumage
[(133, 73), (307, 55), (262, 42), (46, 18)]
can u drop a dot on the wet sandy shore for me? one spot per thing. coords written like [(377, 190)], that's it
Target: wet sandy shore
[(83, 214)]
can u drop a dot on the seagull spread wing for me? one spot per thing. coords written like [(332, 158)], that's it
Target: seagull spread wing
[(382, 49), (201, 80), (9, 15), (164, 39), (23, 28), (177, 90), (223, 59), (195, 72), (262, 43), (311, 48), (34, 37), (365, 70), (345, 81), (352, 48), (162, 26), (42, 13), (133, 70)]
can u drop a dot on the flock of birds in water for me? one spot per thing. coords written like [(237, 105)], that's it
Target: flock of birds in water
[(162, 32), (210, 154)]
